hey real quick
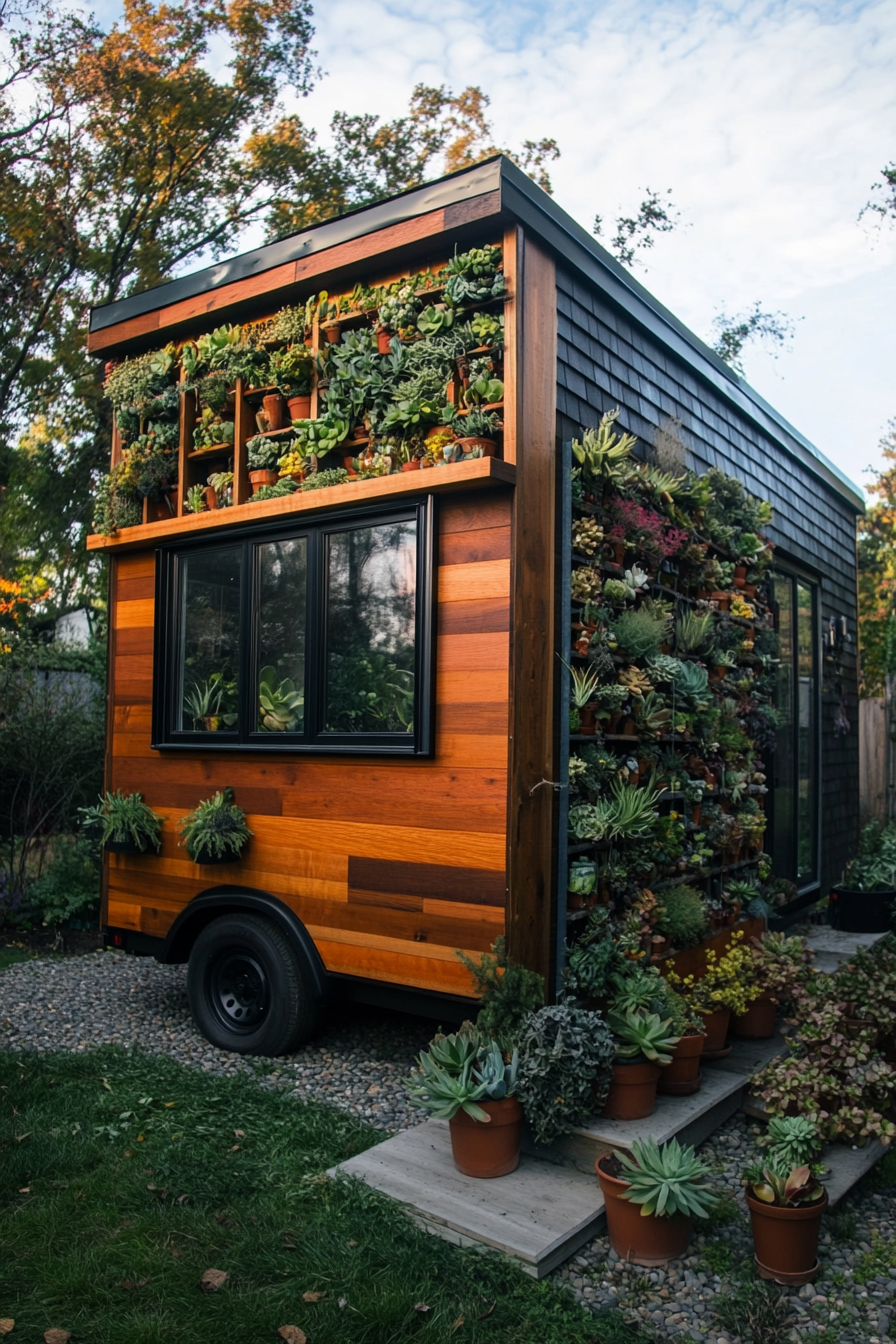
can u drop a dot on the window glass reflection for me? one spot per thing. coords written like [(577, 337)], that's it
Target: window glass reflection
[(370, 620), (209, 640), (280, 684)]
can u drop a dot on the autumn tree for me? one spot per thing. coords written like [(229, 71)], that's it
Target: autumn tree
[(877, 575)]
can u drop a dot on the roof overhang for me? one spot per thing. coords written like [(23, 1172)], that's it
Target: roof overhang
[(436, 216)]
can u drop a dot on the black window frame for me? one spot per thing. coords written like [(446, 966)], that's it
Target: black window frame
[(312, 739), (783, 844)]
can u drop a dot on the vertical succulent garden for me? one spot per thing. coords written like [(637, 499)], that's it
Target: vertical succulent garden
[(396, 377), (672, 670)]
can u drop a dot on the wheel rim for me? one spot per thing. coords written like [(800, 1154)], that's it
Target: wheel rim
[(238, 991)]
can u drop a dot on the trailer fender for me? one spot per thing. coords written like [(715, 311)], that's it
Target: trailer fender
[(229, 899)]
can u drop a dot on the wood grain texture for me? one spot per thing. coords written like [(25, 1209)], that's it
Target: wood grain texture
[(458, 476), (532, 748), (394, 863)]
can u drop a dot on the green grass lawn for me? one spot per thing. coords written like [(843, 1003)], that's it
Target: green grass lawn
[(10, 955), (124, 1178)]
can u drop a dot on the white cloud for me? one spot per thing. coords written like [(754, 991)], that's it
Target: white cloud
[(769, 121)]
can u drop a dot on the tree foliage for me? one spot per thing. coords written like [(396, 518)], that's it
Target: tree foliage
[(877, 575), (733, 333), (637, 233), (123, 160), (883, 203)]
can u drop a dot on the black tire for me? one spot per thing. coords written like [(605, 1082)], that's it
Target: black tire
[(246, 988)]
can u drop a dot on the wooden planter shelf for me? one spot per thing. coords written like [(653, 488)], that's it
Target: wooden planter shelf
[(474, 474), (214, 450)]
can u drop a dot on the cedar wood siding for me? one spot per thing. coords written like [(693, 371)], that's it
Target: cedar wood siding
[(604, 360), (391, 864)]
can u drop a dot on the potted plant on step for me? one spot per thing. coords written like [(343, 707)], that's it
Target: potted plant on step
[(467, 1082), (779, 968), (215, 831), (726, 987), (681, 1076), (643, 1045), (129, 826), (651, 1199), (863, 901)]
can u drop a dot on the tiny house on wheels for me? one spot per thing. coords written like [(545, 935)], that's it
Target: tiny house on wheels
[(499, 603)]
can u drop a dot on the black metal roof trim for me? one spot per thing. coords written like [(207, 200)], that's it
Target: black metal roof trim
[(462, 185)]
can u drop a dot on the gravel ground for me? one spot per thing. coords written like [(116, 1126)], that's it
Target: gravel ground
[(110, 998), (357, 1063)]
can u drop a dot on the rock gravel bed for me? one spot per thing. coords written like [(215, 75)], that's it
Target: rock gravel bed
[(852, 1302), (110, 998), (357, 1062)]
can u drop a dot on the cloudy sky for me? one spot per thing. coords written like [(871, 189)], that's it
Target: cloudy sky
[(770, 122)]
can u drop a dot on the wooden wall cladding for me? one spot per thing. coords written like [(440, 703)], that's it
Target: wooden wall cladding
[(391, 864)]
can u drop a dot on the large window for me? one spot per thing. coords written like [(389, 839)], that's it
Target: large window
[(795, 839), (316, 637)]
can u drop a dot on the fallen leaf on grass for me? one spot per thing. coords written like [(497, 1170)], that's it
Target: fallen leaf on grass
[(212, 1280), (292, 1334), (353, 1243), (241, 1134), (487, 1313), (57, 1336), (21, 1137), (343, 1302), (235, 1148), (25, 1190), (289, 1243), (7, 1325), (421, 1307), (457, 1324), (312, 1297)]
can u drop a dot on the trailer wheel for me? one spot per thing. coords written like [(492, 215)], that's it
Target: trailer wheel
[(246, 989)]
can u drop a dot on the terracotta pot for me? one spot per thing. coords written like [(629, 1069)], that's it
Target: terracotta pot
[(716, 1027), (632, 1094), (491, 1149), (659, 946), (640, 1240), (681, 1078), (259, 478), (211, 498), (786, 1240), (274, 406), (413, 465), (722, 600), (587, 722), (618, 552), (300, 407), (740, 575), (696, 813), (750, 589), (613, 722), (331, 332), (488, 446), (758, 1022), (383, 342)]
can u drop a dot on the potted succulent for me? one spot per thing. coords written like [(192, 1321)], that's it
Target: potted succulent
[(215, 831), (478, 429), (262, 455), (681, 1076), (129, 826), (726, 987), (863, 901), (651, 1199), (279, 703), (219, 490), (292, 370), (468, 1082), (643, 1045), (786, 1205), (584, 682)]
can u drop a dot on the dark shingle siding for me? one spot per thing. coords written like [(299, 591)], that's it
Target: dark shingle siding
[(604, 360)]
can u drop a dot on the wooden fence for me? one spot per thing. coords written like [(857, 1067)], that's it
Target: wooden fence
[(877, 756)]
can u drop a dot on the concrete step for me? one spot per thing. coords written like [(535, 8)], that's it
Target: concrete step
[(540, 1214), (548, 1208), (689, 1119), (831, 947)]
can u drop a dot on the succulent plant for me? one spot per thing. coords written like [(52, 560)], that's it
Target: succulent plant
[(667, 1181)]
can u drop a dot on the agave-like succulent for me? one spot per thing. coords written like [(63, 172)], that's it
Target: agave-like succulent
[(642, 1033), (799, 1186), (667, 1181), (279, 702)]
